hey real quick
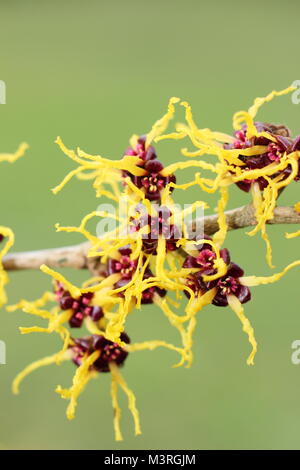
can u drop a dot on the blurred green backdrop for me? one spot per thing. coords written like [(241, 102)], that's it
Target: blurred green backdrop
[(95, 72)]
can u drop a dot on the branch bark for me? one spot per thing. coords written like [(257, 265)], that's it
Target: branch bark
[(76, 256), (244, 216), (65, 257)]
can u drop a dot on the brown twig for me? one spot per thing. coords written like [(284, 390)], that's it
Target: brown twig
[(65, 257), (76, 256)]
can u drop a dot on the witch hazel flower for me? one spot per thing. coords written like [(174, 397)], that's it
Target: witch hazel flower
[(127, 267), (260, 158), (80, 307), (228, 287), (277, 143), (93, 355), (158, 225), (71, 306), (152, 182), (139, 165), (135, 271), (124, 265), (109, 351)]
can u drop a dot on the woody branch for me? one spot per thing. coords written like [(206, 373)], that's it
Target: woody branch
[(76, 256)]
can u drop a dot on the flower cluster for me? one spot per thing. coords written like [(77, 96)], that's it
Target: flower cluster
[(150, 257), (277, 143), (228, 284), (260, 157)]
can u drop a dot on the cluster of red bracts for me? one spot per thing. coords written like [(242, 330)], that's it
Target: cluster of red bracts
[(126, 268), (81, 307), (81, 347), (226, 284), (275, 150), (159, 225), (152, 182), (109, 351)]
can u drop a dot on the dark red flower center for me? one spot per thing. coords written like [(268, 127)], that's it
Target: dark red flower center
[(228, 286), (274, 152), (206, 258), (240, 142), (109, 351), (125, 266), (153, 183), (81, 307)]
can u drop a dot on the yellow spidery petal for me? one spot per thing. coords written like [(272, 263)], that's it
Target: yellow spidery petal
[(55, 320), (161, 274), (140, 196), (194, 306), (258, 280), (175, 320), (266, 239), (92, 327), (74, 291), (30, 307), (8, 234), (292, 235), (82, 227), (118, 379), (258, 102), (67, 343), (265, 202), (248, 117), (91, 281), (198, 136), (151, 345), (41, 302), (172, 135), (12, 157), (116, 408), (160, 126), (168, 170), (127, 162), (247, 152), (133, 141), (220, 235), (189, 340), (220, 266), (269, 170), (99, 164), (46, 361), (237, 307), (261, 204), (82, 376), (67, 178)]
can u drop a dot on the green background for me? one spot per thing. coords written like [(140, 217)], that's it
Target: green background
[(95, 72)]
